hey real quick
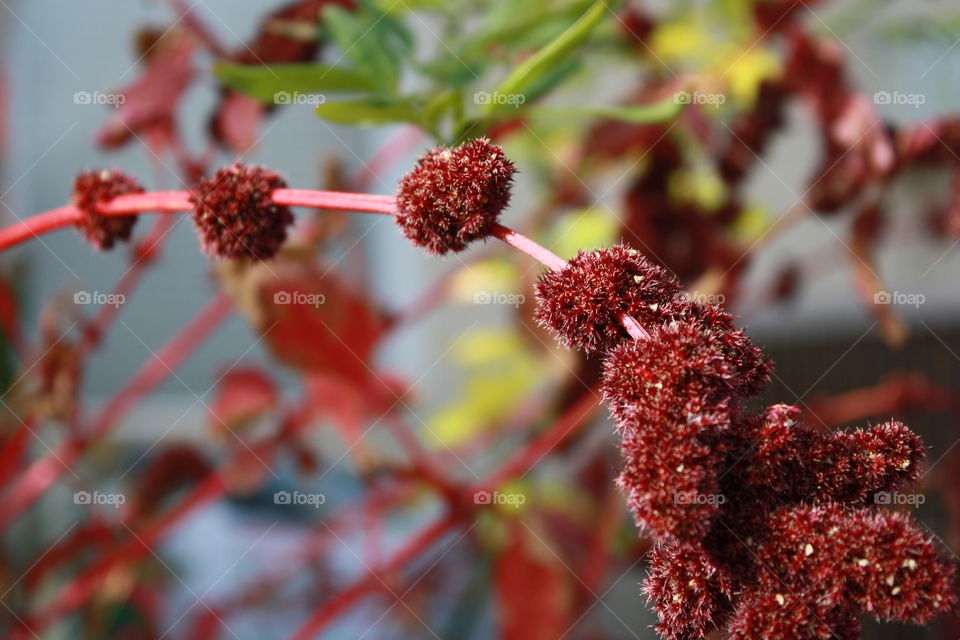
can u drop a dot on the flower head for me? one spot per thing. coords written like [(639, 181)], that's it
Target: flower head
[(454, 196), (672, 405), (236, 216), (820, 567), (91, 187), (583, 303)]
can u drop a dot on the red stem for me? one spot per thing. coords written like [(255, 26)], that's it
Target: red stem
[(39, 224), (88, 583), (368, 203), (345, 599), (569, 423), (534, 250), (45, 472), (150, 201)]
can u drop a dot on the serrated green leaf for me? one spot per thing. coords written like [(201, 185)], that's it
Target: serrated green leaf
[(371, 112), (543, 61), (265, 82)]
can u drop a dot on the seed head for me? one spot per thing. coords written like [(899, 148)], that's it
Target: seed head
[(454, 196), (91, 187), (235, 214), (583, 302)]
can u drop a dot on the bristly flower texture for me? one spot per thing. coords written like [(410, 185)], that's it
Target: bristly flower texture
[(765, 527), (236, 216), (91, 187), (454, 196)]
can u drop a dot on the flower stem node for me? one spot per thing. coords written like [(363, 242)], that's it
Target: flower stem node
[(92, 187), (454, 196), (236, 216)]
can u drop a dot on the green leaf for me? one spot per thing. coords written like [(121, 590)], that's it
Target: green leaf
[(550, 56), (634, 114), (371, 41), (265, 82), (371, 112)]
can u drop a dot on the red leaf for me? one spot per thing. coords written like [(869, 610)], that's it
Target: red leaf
[(243, 395), (534, 593), (149, 103)]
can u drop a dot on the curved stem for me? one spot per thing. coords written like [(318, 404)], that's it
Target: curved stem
[(536, 251), (34, 226)]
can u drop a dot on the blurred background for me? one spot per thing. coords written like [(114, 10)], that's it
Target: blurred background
[(855, 303)]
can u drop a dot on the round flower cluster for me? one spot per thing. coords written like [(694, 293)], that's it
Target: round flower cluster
[(235, 214), (454, 196), (91, 187), (765, 526)]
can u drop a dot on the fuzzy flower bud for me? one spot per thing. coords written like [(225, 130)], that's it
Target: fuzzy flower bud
[(454, 196), (91, 187), (582, 304), (236, 216), (686, 589)]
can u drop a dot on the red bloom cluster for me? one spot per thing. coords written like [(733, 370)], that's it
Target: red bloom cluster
[(764, 525), (582, 304), (91, 187), (454, 196), (236, 216)]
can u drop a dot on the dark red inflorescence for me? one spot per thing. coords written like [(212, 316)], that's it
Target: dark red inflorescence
[(236, 216), (454, 196), (582, 303), (765, 527), (91, 187)]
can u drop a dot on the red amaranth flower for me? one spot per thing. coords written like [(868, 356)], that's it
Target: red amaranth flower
[(670, 397), (454, 196), (820, 567), (91, 187), (789, 461), (583, 303), (687, 590), (236, 216)]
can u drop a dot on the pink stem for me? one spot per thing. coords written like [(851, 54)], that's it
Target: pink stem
[(335, 200), (36, 225), (153, 201), (534, 250)]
